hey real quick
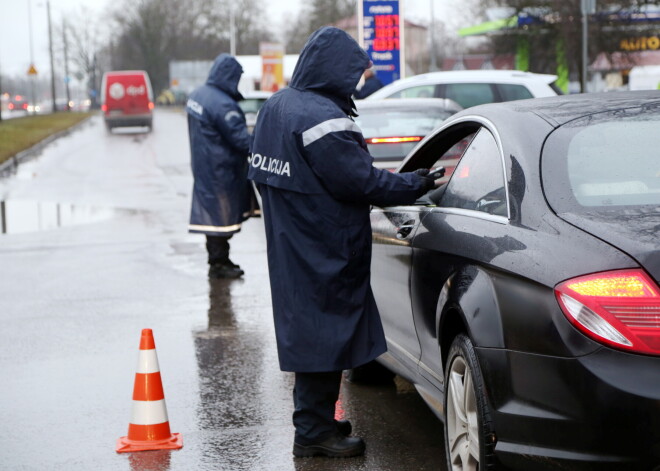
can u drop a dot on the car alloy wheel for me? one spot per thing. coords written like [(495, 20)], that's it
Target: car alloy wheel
[(469, 440)]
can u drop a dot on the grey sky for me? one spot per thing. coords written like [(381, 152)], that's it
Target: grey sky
[(15, 55)]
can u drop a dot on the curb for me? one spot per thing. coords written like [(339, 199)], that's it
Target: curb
[(10, 165)]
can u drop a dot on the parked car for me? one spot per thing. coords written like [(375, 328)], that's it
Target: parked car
[(127, 99), (472, 87), (522, 296), (392, 128), (251, 104)]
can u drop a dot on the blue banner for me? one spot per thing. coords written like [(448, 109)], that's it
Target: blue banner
[(383, 37)]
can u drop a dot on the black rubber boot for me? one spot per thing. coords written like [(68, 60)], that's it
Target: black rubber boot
[(344, 427), (225, 270), (335, 446)]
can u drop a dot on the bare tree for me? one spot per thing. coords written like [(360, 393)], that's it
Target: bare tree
[(155, 32), (314, 15)]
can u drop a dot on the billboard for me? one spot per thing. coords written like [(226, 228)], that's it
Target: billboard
[(272, 59), (381, 31)]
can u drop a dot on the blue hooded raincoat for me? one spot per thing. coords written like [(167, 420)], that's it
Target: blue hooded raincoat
[(317, 182), (219, 146)]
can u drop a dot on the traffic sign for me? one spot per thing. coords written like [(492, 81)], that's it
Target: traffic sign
[(32, 70)]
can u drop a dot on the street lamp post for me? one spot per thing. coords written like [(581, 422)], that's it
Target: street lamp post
[(66, 65), (52, 65), (232, 30), (588, 8)]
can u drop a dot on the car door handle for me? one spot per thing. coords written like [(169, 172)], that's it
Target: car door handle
[(404, 231)]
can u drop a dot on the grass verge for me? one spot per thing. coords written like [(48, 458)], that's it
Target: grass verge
[(19, 134)]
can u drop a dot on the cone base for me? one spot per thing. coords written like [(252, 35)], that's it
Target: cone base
[(126, 445)]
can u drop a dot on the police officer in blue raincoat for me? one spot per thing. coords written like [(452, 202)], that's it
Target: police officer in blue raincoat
[(316, 179), (219, 146), (371, 84)]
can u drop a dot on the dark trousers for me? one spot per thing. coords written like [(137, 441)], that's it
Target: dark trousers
[(217, 248), (314, 399)]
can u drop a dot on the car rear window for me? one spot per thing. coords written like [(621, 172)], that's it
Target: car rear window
[(615, 163), (510, 92), (604, 161), (379, 123), (469, 94), (413, 122)]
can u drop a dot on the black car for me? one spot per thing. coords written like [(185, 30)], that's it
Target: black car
[(392, 128), (521, 297)]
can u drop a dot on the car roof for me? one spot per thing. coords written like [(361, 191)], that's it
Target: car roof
[(476, 75), (559, 110), (387, 104)]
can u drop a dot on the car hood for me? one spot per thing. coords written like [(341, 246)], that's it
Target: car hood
[(634, 230)]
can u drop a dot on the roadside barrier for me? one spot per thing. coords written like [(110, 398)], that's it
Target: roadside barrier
[(149, 428)]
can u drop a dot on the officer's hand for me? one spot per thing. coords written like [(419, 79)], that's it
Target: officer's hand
[(427, 183)]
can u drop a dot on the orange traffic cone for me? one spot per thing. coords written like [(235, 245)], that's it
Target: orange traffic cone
[(149, 428)]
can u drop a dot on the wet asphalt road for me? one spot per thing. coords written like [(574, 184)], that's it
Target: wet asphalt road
[(96, 249)]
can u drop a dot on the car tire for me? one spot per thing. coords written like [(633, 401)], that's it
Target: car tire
[(369, 373), (469, 433)]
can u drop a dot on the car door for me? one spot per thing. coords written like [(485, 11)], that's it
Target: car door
[(475, 197), (392, 230)]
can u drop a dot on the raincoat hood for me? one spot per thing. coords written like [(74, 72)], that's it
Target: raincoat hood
[(331, 62), (225, 75)]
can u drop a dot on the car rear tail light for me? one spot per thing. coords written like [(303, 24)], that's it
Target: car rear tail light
[(10, 106), (618, 308), (104, 108), (151, 105), (393, 140)]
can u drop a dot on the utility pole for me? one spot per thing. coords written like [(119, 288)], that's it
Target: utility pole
[(232, 30), (433, 66), (66, 65), (52, 64)]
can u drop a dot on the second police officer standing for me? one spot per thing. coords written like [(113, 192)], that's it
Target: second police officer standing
[(316, 179), (219, 146)]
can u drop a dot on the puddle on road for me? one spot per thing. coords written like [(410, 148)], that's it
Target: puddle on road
[(18, 216)]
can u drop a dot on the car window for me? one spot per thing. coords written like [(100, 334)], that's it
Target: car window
[(422, 91), (449, 159), (478, 180), (251, 105), (510, 92), (469, 94)]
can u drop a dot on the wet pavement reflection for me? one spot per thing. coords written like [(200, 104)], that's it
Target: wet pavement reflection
[(17, 216), (246, 406)]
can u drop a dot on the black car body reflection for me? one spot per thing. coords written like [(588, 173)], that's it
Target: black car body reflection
[(521, 297)]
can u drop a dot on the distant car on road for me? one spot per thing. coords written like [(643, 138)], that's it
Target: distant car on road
[(18, 103), (251, 104), (392, 128), (472, 87), (127, 99), (522, 297)]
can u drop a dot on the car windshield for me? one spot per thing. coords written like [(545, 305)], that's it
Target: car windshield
[(604, 161)]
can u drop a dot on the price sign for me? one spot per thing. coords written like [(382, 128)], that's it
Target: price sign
[(382, 37)]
